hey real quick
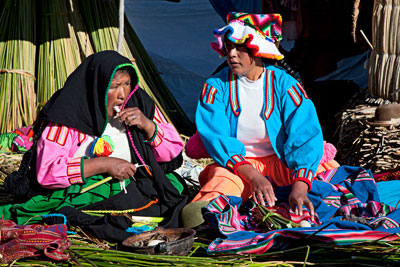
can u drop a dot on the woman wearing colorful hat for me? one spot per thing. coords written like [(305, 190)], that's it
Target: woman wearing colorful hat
[(255, 120)]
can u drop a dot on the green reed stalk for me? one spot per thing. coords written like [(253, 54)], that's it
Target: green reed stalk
[(17, 64)]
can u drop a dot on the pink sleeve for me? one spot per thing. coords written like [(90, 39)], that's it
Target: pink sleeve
[(167, 144), (55, 165)]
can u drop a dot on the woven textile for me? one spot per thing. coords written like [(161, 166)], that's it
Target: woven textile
[(344, 192), (18, 241)]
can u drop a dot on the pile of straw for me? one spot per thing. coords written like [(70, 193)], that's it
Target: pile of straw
[(364, 145)]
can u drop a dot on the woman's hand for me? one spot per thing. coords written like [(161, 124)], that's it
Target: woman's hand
[(298, 198), (120, 168), (262, 189), (134, 116), (115, 167)]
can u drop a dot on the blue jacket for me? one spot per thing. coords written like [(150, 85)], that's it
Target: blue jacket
[(289, 115)]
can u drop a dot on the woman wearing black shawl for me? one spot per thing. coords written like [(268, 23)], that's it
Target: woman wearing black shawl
[(99, 102)]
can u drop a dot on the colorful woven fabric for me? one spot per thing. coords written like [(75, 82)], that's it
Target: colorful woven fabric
[(258, 31), (268, 25), (338, 196), (18, 241)]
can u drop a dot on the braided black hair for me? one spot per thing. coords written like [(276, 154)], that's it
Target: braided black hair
[(282, 63), (23, 182)]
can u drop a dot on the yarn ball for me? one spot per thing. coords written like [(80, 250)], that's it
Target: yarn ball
[(329, 153), (195, 149), (102, 147)]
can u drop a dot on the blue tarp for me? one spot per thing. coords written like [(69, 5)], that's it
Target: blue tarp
[(177, 37)]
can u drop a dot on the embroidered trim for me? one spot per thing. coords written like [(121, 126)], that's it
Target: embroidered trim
[(269, 93), (157, 141), (303, 175), (235, 161), (75, 180), (211, 95), (52, 134), (158, 117), (81, 137), (295, 96), (203, 92), (74, 161), (302, 90), (74, 171), (233, 93), (58, 134), (159, 138), (62, 135)]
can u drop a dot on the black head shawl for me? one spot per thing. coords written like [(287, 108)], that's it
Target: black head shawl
[(81, 104)]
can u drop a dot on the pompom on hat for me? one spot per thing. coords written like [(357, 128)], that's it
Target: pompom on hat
[(259, 32)]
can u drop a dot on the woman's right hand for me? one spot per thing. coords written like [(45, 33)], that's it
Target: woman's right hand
[(115, 167), (262, 189), (120, 169)]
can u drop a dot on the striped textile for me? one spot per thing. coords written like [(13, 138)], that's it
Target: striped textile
[(341, 193)]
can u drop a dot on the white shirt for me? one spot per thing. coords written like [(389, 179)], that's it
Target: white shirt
[(252, 131), (117, 131)]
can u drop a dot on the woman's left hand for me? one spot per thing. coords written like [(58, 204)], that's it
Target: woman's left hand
[(134, 116), (298, 198)]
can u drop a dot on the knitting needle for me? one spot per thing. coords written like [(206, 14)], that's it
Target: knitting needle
[(90, 187)]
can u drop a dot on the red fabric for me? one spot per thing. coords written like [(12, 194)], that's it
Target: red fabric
[(18, 241), (194, 147), (388, 175)]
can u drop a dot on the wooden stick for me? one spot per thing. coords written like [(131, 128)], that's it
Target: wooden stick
[(366, 39), (90, 187)]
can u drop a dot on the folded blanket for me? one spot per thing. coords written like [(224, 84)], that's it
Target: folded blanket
[(348, 210)]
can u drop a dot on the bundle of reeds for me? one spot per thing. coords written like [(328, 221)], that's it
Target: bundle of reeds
[(270, 220), (17, 64), (59, 50), (384, 64)]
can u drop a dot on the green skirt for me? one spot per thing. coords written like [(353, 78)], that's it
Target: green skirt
[(70, 196), (31, 210)]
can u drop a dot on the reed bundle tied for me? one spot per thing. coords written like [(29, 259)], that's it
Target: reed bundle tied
[(270, 220), (384, 63), (17, 64), (59, 52)]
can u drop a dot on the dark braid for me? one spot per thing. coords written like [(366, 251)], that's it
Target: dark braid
[(23, 182), (282, 63)]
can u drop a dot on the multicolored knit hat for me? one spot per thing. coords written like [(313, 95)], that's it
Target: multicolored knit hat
[(258, 31)]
